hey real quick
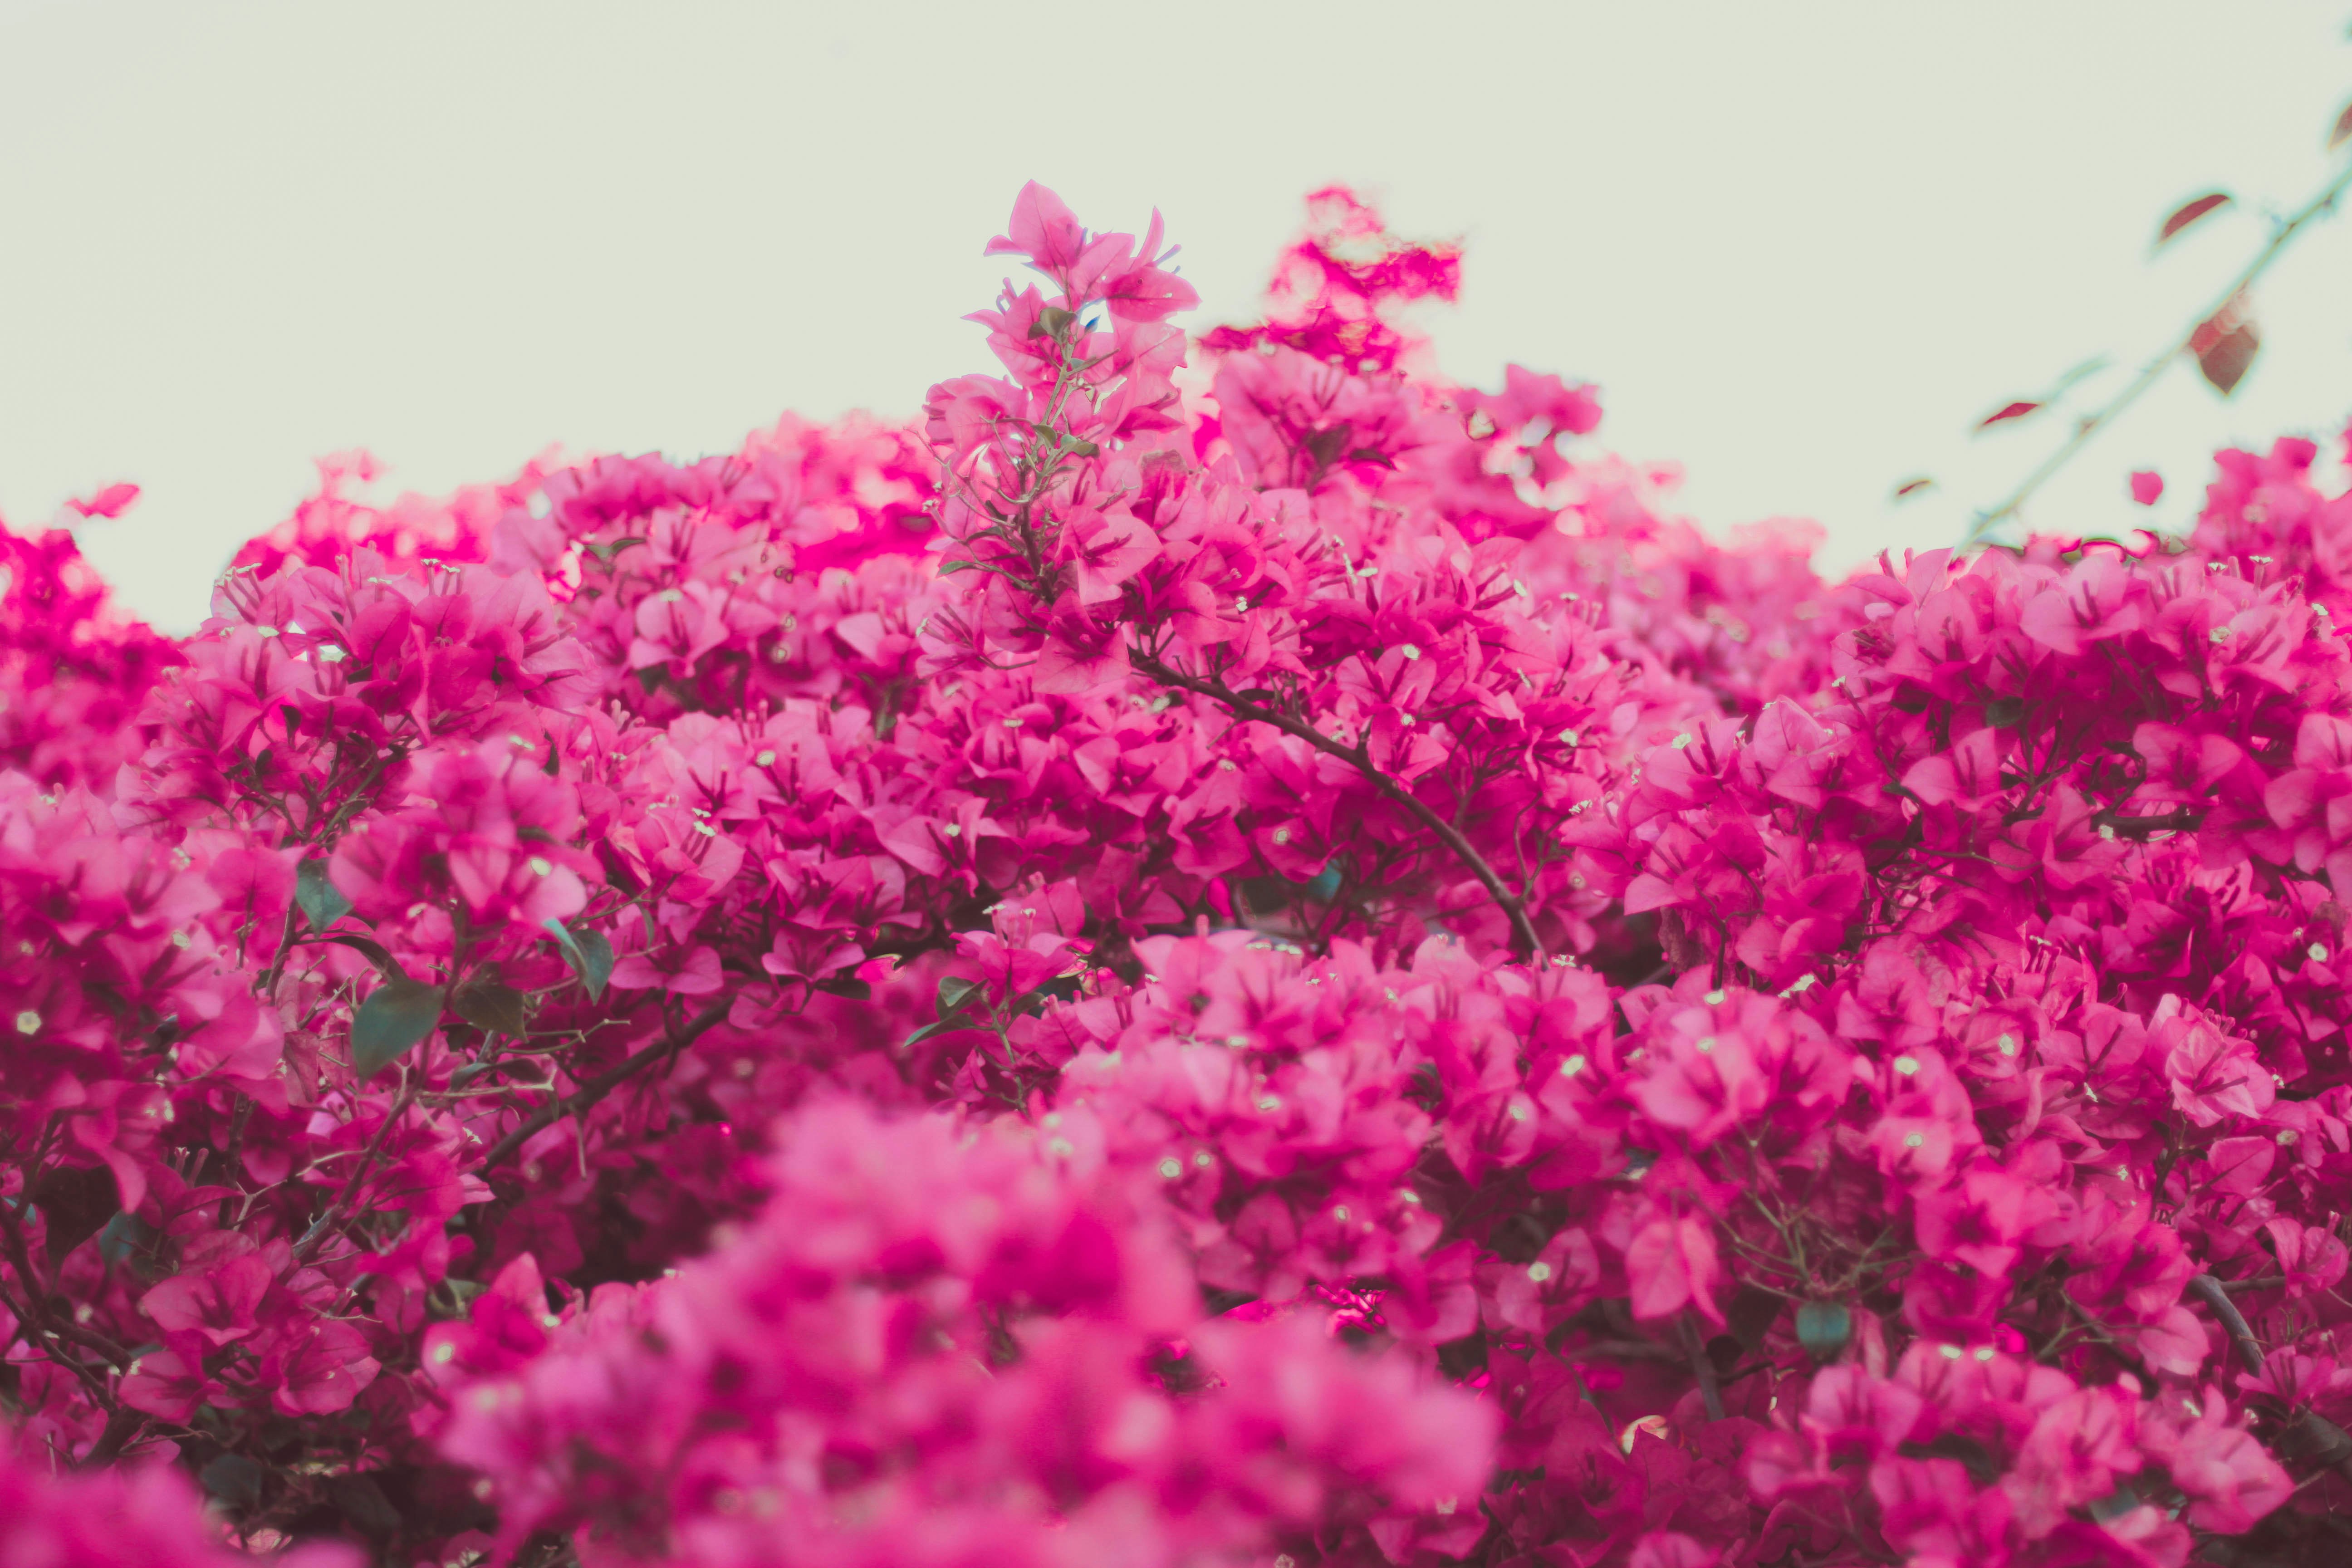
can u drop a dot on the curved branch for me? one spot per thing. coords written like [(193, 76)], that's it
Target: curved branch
[(604, 1083), (2313, 1438), (2153, 371), (1525, 943), (2216, 1295)]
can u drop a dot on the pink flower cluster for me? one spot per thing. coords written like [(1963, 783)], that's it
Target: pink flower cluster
[(1226, 951)]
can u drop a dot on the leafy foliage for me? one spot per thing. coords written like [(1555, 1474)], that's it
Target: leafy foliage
[(1227, 951)]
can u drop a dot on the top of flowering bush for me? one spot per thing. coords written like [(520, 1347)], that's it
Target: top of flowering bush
[(1223, 951)]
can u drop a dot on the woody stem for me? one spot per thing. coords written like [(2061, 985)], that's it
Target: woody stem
[(1525, 944)]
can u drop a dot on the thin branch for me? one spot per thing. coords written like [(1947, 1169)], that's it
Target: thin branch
[(121, 1428), (597, 1087), (341, 1206), (2216, 1295), (1525, 944), (2092, 425), (1702, 1367)]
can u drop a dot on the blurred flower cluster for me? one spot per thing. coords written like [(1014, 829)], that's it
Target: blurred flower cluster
[(1226, 951)]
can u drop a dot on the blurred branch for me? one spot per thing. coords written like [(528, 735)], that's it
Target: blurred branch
[(2091, 425)]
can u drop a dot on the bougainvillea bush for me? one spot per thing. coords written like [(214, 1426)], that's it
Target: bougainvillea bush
[(1224, 952)]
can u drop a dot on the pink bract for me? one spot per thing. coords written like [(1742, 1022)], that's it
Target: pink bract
[(1223, 951)]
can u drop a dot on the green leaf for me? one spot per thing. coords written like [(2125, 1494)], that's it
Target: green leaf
[(396, 1014), (848, 986), (605, 552), (120, 1237), (489, 1006), (374, 951), (235, 1479), (954, 992), (588, 954), (949, 568), (952, 1021), (1752, 1315), (321, 901), (1823, 1328), (363, 1503), (77, 1202)]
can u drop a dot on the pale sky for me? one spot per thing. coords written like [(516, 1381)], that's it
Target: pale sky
[(1801, 247)]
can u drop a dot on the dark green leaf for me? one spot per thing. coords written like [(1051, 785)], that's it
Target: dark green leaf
[(363, 1503), (2316, 1440), (605, 553), (588, 954), (122, 1237), (396, 1014), (847, 985), (1324, 446), (1823, 1328), (1973, 1455), (954, 992), (75, 1202), (949, 568), (2005, 713), (1083, 448), (1752, 1315), (489, 1006), (235, 1479), (374, 951), (321, 902), (952, 1021)]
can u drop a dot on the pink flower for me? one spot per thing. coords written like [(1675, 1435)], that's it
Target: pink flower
[(219, 1304)]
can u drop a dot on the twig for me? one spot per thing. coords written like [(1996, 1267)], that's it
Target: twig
[(597, 1087), (343, 1200), (2154, 371), (1524, 940), (120, 1427), (2216, 1295), (1702, 1367), (2318, 1438)]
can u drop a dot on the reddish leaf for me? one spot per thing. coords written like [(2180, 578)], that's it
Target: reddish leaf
[(1913, 486), (2343, 132), (2190, 212), (2225, 344), (2009, 411)]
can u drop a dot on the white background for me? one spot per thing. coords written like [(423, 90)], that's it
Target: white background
[(1801, 247)]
